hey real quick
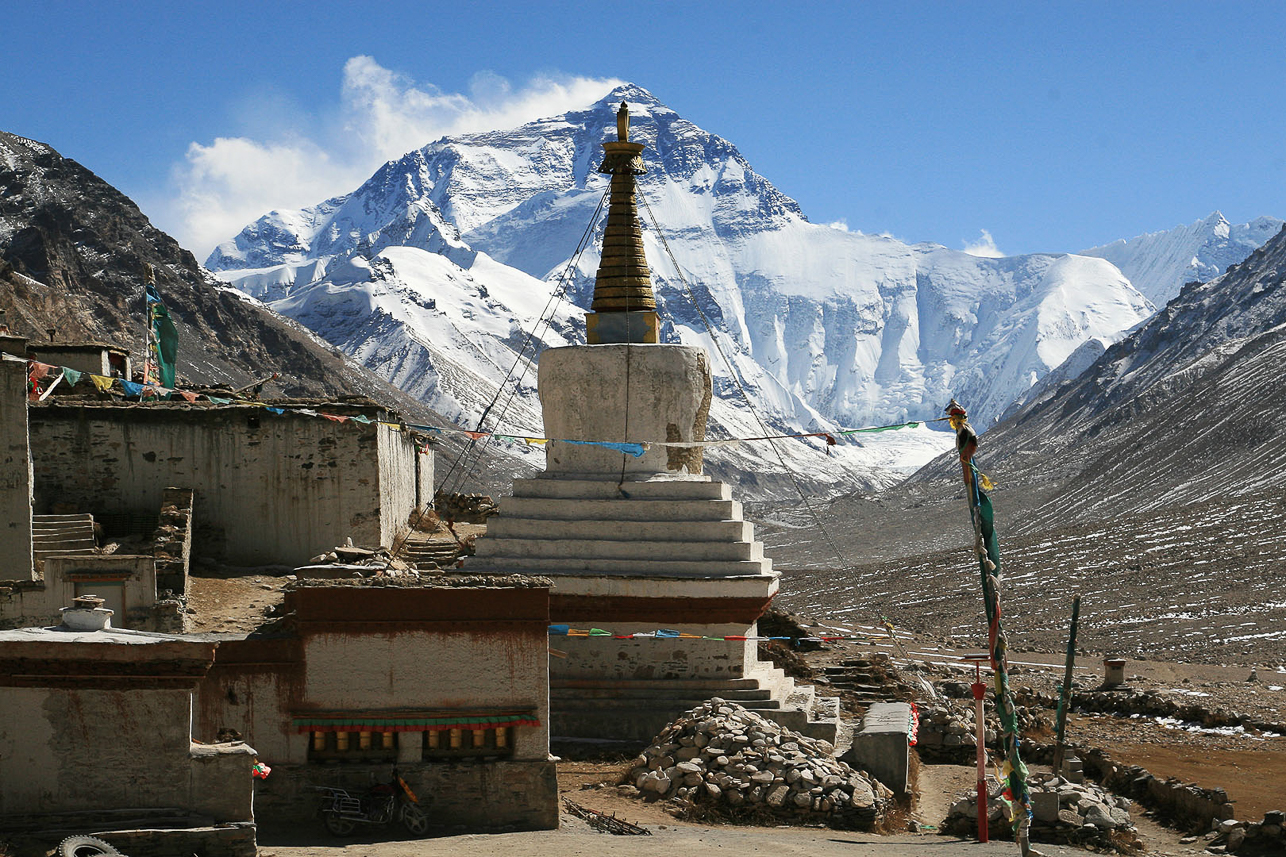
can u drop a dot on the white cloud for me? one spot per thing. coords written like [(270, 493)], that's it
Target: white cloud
[(841, 225), (985, 246), (382, 114)]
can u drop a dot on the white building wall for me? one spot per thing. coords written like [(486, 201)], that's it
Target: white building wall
[(270, 489)]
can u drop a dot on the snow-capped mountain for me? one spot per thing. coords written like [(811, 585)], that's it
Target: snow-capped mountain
[(1160, 263), (432, 271)]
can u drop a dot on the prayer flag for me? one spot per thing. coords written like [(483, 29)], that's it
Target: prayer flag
[(165, 338)]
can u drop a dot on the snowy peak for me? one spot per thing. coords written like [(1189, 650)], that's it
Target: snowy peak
[(1160, 263), (825, 328)]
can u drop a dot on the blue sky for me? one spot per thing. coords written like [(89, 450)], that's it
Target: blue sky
[(1052, 126)]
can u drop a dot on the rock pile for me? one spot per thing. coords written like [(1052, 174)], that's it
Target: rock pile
[(1238, 837), (357, 562), (721, 759), (469, 508), (948, 734), (1079, 814)]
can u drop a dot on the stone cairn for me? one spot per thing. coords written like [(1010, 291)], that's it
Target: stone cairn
[(1080, 814), (721, 760)]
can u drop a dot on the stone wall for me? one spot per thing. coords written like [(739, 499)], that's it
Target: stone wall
[(232, 840), (63, 750), (15, 473), (493, 795), (364, 651), (406, 480), (270, 489), (172, 541)]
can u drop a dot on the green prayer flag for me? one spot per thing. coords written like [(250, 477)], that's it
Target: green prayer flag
[(165, 337)]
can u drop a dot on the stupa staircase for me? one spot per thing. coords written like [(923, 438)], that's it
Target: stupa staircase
[(646, 530)]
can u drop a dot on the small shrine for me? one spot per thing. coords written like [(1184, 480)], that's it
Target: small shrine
[(635, 537)]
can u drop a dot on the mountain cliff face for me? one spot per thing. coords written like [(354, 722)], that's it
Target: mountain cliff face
[(825, 327), (73, 256), (1187, 408), (1160, 263)]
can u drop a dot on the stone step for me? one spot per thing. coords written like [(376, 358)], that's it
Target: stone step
[(77, 516), (610, 567), (541, 508), (656, 701), (698, 685), (75, 539), (596, 549), (62, 527), (507, 526), (741, 696), (594, 489)]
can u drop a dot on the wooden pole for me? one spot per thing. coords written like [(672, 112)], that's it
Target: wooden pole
[(147, 327), (980, 729), (1065, 698), (998, 644)]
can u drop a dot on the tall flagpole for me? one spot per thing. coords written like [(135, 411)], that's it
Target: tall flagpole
[(1014, 772), (147, 324)]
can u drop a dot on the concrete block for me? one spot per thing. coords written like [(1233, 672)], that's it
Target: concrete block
[(1044, 806), (881, 747)]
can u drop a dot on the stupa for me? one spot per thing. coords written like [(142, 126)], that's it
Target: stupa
[(639, 540)]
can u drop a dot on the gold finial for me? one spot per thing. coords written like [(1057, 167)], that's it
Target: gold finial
[(623, 123), (624, 306)]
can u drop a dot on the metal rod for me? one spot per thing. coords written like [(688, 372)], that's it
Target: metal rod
[(980, 724)]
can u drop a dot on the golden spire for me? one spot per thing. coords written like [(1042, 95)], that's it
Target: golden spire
[(623, 284)]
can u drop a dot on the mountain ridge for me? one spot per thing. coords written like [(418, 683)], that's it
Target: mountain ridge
[(826, 328)]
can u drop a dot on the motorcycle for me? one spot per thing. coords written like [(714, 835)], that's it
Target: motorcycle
[(342, 811)]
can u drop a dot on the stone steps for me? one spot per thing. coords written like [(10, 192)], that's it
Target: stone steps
[(512, 527), (714, 685), (499, 564), (593, 509), (639, 708), (604, 549), (743, 696), (62, 534), (595, 489)]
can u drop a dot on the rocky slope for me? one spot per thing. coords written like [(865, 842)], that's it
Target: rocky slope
[(1153, 484), (74, 252), (73, 255)]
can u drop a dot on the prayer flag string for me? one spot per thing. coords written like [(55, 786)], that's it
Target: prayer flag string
[(150, 391)]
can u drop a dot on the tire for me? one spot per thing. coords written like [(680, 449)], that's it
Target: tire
[(415, 820), (86, 846), (337, 825)]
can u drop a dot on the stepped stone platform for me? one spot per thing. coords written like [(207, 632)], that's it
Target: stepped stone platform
[(664, 551), (62, 534), (665, 527), (637, 710)]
